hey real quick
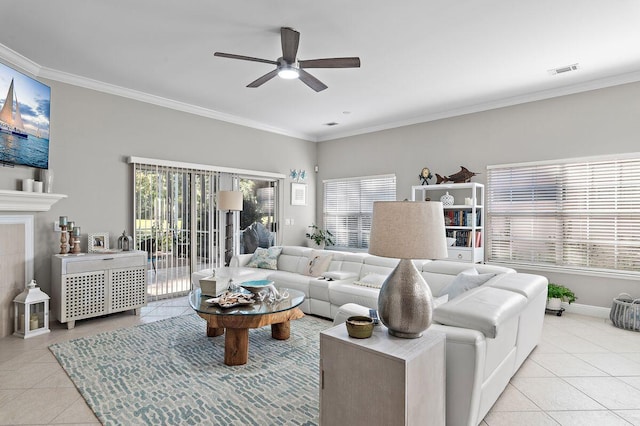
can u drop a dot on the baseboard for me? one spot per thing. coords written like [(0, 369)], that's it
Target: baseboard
[(589, 310)]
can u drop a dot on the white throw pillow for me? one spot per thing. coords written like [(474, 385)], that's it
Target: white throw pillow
[(465, 280), (317, 264), (371, 280), (440, 300)]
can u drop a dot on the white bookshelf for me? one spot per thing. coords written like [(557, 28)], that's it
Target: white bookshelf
[(464, 220)]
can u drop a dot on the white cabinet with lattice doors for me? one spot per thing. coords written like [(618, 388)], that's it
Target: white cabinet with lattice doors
[(97, 284)]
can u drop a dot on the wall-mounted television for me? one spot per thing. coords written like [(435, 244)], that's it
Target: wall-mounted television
[(24, 119)]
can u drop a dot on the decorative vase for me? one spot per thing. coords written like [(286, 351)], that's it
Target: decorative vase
[(46, 177), (405, 303), (447, 199), (554, 304)]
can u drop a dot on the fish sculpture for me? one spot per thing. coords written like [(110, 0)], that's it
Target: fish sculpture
[(464, 175)]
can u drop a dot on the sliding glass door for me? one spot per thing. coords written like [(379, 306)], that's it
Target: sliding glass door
[(175, 223), (258, 218)]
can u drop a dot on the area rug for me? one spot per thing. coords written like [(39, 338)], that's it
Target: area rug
[(170, 372)]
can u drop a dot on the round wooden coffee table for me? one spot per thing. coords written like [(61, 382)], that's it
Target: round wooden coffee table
[(238, 320)]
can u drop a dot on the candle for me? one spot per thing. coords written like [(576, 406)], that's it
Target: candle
[(70, 225), (63, 221), (76, 231), (33, 323)]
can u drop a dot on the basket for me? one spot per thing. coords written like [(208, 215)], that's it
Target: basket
[(625, 312)]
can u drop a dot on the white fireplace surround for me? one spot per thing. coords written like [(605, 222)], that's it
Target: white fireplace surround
[(27, 221), (22, 201), (11, 201)]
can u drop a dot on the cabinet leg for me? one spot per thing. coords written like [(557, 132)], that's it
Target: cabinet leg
[(136, 311), (71, 325)]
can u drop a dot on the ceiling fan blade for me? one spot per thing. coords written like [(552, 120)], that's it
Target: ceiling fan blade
[(311, 81), (244, 58), (259, 82), (290, 39), (331, 63)]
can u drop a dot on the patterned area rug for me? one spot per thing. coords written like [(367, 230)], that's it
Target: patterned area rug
[(170, 372)]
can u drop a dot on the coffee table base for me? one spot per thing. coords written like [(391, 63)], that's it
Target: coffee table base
[(236, 340)]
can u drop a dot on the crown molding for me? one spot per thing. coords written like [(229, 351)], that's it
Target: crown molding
[(602, 83), (18, 60)]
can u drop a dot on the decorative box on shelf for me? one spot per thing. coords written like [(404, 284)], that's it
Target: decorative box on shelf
[(464, 217)]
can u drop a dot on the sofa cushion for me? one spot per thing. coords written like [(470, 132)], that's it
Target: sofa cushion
[(371, 280), (339, 275), (483, 308), (317, 263), (265, 258), (464, 281)]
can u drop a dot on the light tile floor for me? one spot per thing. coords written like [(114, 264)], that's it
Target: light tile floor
[(584, 372)]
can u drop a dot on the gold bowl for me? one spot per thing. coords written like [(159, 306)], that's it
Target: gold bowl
[(359, 326)]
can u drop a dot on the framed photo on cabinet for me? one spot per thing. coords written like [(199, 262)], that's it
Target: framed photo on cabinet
[(298, 194)]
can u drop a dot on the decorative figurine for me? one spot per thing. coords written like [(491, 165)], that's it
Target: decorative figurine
[(425, 175), (464, 175)]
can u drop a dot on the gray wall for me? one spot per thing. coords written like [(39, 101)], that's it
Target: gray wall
[(603, 121), (92, 134)]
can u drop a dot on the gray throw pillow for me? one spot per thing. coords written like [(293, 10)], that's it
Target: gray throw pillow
[(465, 280)]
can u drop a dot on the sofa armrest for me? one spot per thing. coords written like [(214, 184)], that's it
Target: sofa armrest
[(483, 309), (240, 260)]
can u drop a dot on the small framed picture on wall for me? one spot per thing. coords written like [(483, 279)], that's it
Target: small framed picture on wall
[(298, 194)]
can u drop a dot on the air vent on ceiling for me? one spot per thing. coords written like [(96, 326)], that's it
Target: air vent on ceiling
[(561, 70), (332, 123)]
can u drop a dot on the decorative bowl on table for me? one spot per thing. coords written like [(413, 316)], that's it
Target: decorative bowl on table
[(359, 326), (257, 285)]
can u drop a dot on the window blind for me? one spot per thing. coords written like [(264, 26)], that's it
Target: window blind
[(582, 214), (348, 207)]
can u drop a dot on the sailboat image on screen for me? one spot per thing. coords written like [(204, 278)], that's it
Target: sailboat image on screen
[(10, 122)]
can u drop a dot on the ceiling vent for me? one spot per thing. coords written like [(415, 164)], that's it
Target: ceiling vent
[(332, 123), (562, 70)]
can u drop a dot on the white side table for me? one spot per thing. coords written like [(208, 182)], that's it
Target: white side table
[(382, 380)]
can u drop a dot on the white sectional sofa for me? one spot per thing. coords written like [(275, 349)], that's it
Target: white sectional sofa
[(490, 329)]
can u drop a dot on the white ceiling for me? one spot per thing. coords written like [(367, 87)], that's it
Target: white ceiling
[(421, 59)]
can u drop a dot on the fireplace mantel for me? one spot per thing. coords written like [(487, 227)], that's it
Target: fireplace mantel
[(14, 201)]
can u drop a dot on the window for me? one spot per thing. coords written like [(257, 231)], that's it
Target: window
[(576, 214), (348, 207)]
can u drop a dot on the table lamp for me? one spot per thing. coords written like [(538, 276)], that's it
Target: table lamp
[(229, 201), (407, 230)]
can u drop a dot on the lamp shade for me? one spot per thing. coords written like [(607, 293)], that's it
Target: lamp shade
[(230, 200), (408, 230)]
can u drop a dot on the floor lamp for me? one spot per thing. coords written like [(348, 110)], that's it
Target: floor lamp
[(407, 230), (229, 201)]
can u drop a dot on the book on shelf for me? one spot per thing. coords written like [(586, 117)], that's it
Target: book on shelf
[(462, 218)]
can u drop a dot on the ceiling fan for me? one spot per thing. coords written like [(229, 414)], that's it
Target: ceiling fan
[(289, 67)]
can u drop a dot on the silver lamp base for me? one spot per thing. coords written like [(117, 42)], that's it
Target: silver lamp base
[(405, 303)]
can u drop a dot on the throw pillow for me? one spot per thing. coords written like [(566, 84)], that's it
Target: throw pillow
[(437, 301), (250, 240), (371, 280), (465, 280), (265, 258), (317, 264), (339, 275)]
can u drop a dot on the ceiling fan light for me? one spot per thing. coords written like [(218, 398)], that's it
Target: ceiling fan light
[(288, 73)]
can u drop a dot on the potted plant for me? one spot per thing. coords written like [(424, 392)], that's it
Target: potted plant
[(556, 294), (320, 237)]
